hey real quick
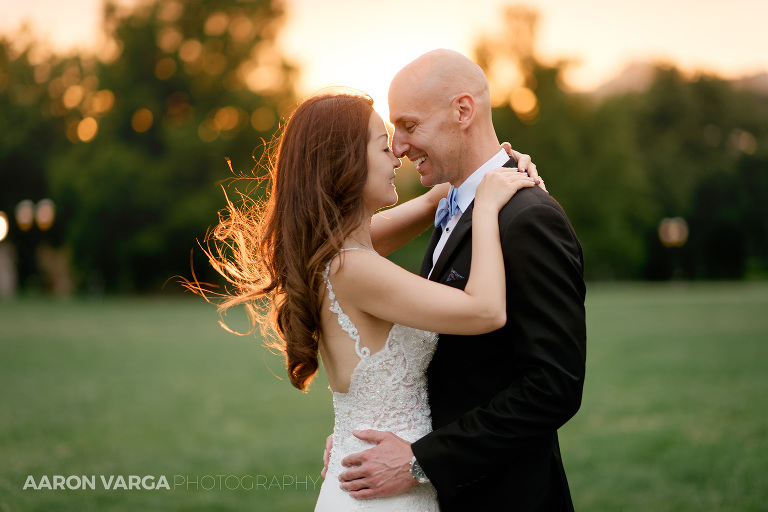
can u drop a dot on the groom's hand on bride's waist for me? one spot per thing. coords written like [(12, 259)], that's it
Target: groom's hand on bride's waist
[(383, 470)]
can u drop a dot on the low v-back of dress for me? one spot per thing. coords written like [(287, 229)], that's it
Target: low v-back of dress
[(387, 391)]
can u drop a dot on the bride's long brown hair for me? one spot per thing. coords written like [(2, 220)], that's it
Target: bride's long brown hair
[(273, 252)]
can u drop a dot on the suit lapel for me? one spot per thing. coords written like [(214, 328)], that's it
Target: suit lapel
[(426, 263), (459, 232), (510, 163)]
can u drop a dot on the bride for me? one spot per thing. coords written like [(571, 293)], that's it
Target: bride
[(304, 264)]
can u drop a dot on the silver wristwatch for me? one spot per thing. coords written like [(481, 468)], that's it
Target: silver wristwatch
[(417, 472)]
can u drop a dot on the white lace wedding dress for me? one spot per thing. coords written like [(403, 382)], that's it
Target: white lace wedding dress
[(387, 391)]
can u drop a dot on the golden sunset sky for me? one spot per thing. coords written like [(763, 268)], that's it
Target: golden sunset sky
[(362, 44)]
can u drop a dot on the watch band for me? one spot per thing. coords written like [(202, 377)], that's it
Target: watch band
[(418, 473)]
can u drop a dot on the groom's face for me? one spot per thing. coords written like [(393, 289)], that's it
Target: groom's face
[(425, 131)]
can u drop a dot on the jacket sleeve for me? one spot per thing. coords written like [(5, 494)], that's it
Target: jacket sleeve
[(547, 332)]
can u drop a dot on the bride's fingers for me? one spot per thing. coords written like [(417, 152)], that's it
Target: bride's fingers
[(516, 184), (503, 179), (524, 162), (531, 174), (531, 170), (512, 174), (521, 184), (326, 461)]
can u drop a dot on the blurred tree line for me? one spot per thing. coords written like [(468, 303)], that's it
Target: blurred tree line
[(131, 143), (663, 180)]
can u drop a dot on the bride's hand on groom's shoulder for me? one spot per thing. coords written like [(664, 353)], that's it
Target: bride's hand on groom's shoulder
[(524, 164), (498, 186)]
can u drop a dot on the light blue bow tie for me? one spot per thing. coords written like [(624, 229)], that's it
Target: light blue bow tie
[(447, 208)]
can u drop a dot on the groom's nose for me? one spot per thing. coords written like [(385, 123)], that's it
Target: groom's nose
[(399, 144)]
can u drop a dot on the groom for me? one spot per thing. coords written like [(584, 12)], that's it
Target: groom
[(497, 399)]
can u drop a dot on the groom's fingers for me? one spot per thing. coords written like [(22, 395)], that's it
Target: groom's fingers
[(372, 436), (350, 478), (354, 473), (354, 459), (363, 494)]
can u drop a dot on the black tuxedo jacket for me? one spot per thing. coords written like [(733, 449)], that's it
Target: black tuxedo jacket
[(497, 399)]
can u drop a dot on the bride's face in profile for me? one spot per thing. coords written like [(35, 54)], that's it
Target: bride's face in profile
[(380, 187)]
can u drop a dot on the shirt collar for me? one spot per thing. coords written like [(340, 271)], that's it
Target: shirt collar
[(465, 194)]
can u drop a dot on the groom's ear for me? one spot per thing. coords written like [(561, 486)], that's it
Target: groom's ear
[(465, 109)]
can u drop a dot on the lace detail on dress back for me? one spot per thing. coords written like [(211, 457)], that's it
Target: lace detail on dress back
[(387, 391), (344, 320)]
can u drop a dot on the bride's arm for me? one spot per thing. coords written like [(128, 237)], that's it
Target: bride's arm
[(380, 288), (395, 227)]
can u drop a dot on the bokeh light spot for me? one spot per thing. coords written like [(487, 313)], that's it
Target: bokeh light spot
[(241, 29), (3, 226), (87, 128), (524, 102), (743, 141), (25, 215), (169, 39), (110, 51), (142, 120), (208, 130), (227, 118), (165, 68), (103, 101), (73, 96), (190, 50), (264, 79), (263, 119), (44, 214), (673, 232), (216, 24), (747, 143), (170, 11)]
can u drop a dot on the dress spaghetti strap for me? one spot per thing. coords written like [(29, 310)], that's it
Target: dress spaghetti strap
[(344, 320)]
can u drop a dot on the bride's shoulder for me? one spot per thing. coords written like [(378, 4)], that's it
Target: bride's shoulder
[(354, 254), (357, 267)]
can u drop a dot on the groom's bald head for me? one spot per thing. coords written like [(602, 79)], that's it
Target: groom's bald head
[(440, 76)]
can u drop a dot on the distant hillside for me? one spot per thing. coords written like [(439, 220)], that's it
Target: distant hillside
[(638, 76)]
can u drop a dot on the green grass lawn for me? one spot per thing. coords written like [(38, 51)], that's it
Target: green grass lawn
[(673, 419)]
